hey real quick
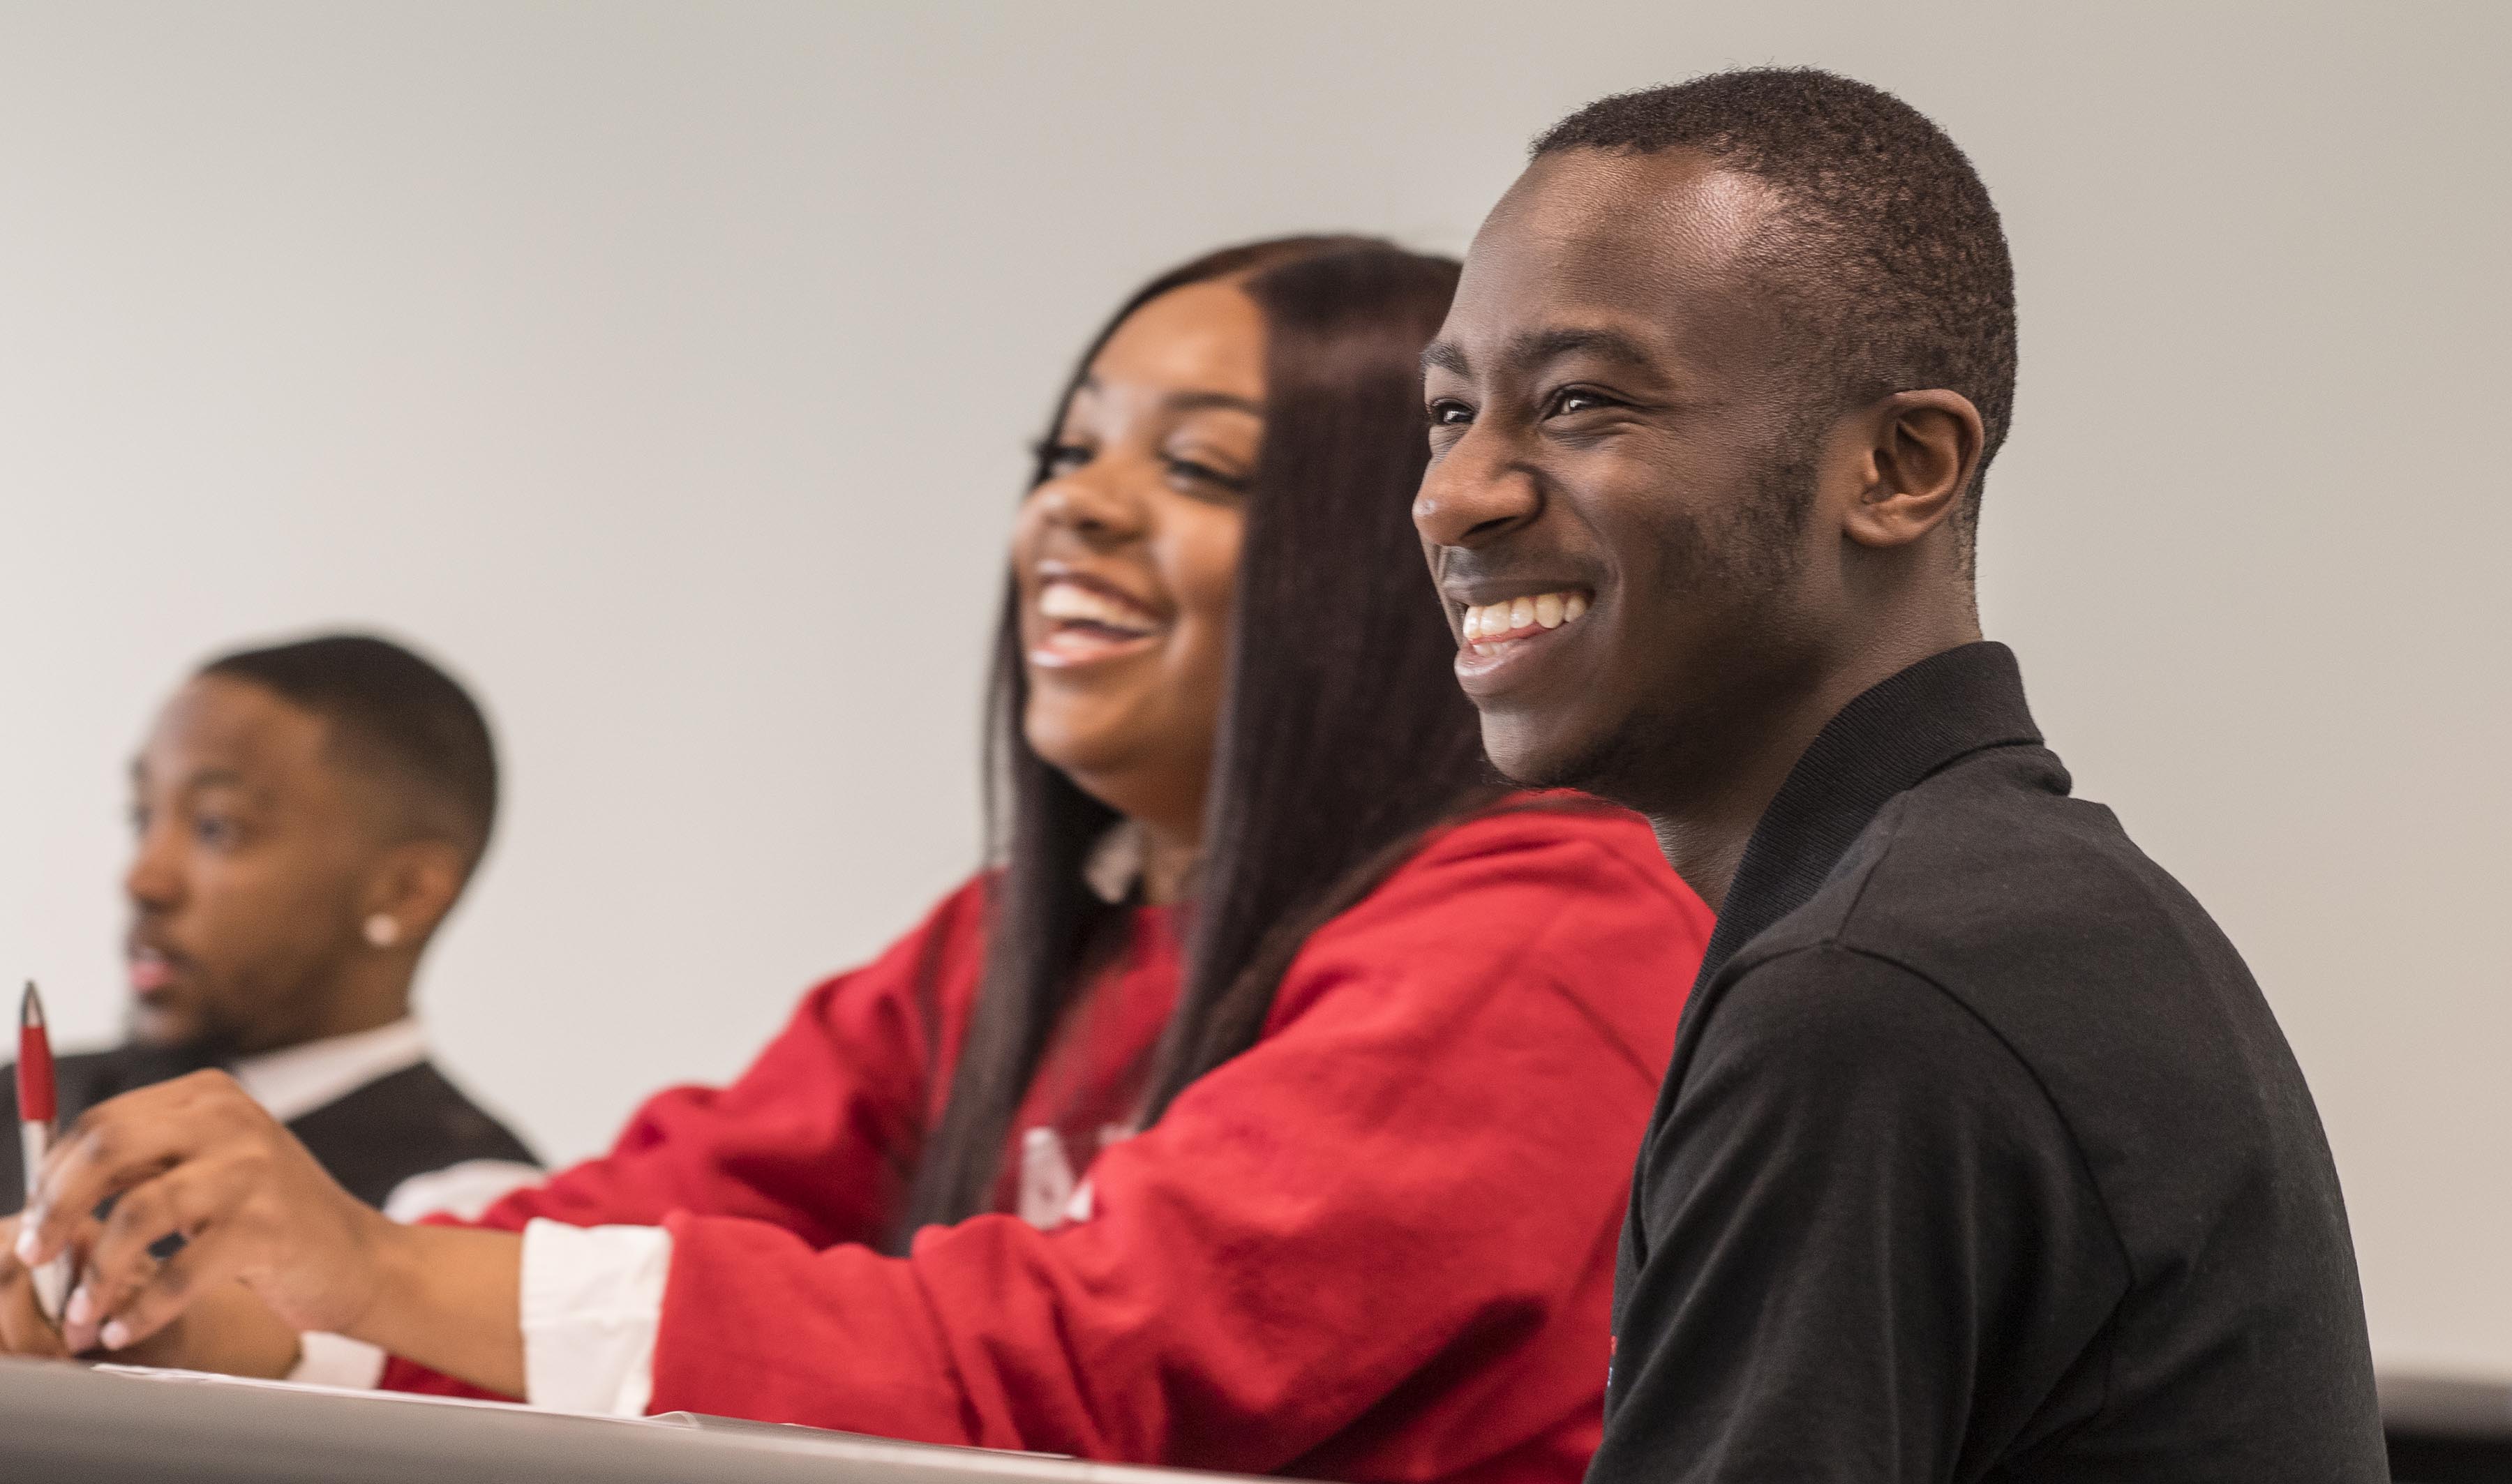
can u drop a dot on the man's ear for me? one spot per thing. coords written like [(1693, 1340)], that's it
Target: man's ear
[(414, 884), (1922, 450)]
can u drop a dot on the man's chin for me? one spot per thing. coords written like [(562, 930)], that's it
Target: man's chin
[(164, 1027), (1536, 752)]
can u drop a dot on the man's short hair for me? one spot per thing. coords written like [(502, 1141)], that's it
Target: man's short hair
[(394, 716), (1885, 253)]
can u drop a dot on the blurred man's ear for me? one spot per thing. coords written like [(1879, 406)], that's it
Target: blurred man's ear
[(411, 887)]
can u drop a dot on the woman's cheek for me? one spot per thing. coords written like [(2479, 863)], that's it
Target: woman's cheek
[(1207, 576)]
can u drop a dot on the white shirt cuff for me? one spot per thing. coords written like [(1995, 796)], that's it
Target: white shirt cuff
[(592, 1303), (460, 1191), (337, 1360), (463, 1191)]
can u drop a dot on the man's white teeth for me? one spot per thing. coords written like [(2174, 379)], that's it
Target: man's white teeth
[(1487, 624), (1073, 601)]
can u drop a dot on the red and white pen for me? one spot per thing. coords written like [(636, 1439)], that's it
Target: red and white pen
[(35, 1109)]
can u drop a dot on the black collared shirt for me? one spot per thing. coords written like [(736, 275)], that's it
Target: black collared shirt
[(1980, 1155)]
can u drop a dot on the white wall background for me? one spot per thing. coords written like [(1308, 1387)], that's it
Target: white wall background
[(666, 369)]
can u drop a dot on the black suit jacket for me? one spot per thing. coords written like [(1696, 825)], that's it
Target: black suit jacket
[(371, 1139)]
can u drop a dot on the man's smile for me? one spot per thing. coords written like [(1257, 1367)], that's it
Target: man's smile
[(1501, 636), (1489, 626)]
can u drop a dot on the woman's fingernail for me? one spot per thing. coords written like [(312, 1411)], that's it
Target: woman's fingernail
[(80, 1309), (115, 1335), (26, 1226)]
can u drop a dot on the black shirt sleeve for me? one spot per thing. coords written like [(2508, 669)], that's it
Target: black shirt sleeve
[(1863, 1248), (12, 1179)]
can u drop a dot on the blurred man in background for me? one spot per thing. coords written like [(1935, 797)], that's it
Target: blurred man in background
[(305, 815)]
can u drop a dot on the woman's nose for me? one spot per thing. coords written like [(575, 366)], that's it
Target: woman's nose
[(1092, 505), (1475, 493)]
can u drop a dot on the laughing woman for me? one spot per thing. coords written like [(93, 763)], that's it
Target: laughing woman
[(1270, 1107)]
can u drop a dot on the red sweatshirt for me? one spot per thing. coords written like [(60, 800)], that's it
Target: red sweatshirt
[(1377, 1245)]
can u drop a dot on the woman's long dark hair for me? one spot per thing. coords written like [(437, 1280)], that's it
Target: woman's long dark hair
[(1343, 737)]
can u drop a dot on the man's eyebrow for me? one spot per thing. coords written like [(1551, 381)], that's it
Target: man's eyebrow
[(1537, 346)]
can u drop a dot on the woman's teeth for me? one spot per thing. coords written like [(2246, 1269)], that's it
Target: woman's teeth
[(1071, 603), (1490, 625)]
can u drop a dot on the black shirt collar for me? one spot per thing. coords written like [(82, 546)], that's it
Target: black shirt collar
[(1889, 738)]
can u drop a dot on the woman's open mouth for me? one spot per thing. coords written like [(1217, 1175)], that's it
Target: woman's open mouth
[(1084, 623)]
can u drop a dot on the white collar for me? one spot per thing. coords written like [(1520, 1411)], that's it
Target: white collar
[(295, 1081), (1115, 867)]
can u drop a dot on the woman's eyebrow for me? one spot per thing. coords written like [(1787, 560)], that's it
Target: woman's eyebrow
[(1196, 402)]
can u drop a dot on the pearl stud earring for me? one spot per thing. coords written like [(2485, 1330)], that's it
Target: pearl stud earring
[(383, 930)]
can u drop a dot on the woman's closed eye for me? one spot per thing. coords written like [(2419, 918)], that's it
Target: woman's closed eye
[(1194, 476), (1061, 457)]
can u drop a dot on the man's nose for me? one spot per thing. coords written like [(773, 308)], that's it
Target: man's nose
[(1475, 492), (156, 879)]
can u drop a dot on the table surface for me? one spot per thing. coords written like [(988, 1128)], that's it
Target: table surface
[(62, 1421)]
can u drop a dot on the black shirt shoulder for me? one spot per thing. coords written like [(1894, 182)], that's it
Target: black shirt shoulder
[(2105, 977), (2236, 1336), (371, 1139), (1858, 1183), (405, 1124)]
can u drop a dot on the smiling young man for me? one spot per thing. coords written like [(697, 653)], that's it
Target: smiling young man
[(304, 817), (1980, 1155)]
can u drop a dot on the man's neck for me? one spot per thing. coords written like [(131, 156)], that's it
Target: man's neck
[(365, 1001), (1704, 831)]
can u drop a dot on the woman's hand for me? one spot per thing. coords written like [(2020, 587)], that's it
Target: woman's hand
[(197, 1157), (23, 1329), (224, 1329)]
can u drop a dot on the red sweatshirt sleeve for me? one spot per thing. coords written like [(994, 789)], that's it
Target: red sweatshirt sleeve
[(1376, 1243), (817, 1137)]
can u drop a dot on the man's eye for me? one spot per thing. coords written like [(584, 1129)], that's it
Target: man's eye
[(1448, 412), (1576, 398), (138, 816), (212, 830)]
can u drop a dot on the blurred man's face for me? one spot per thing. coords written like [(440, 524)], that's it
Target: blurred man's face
[(249, 856)]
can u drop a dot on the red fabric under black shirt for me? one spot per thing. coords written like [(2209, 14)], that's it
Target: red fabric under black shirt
[(1377, 1245)]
